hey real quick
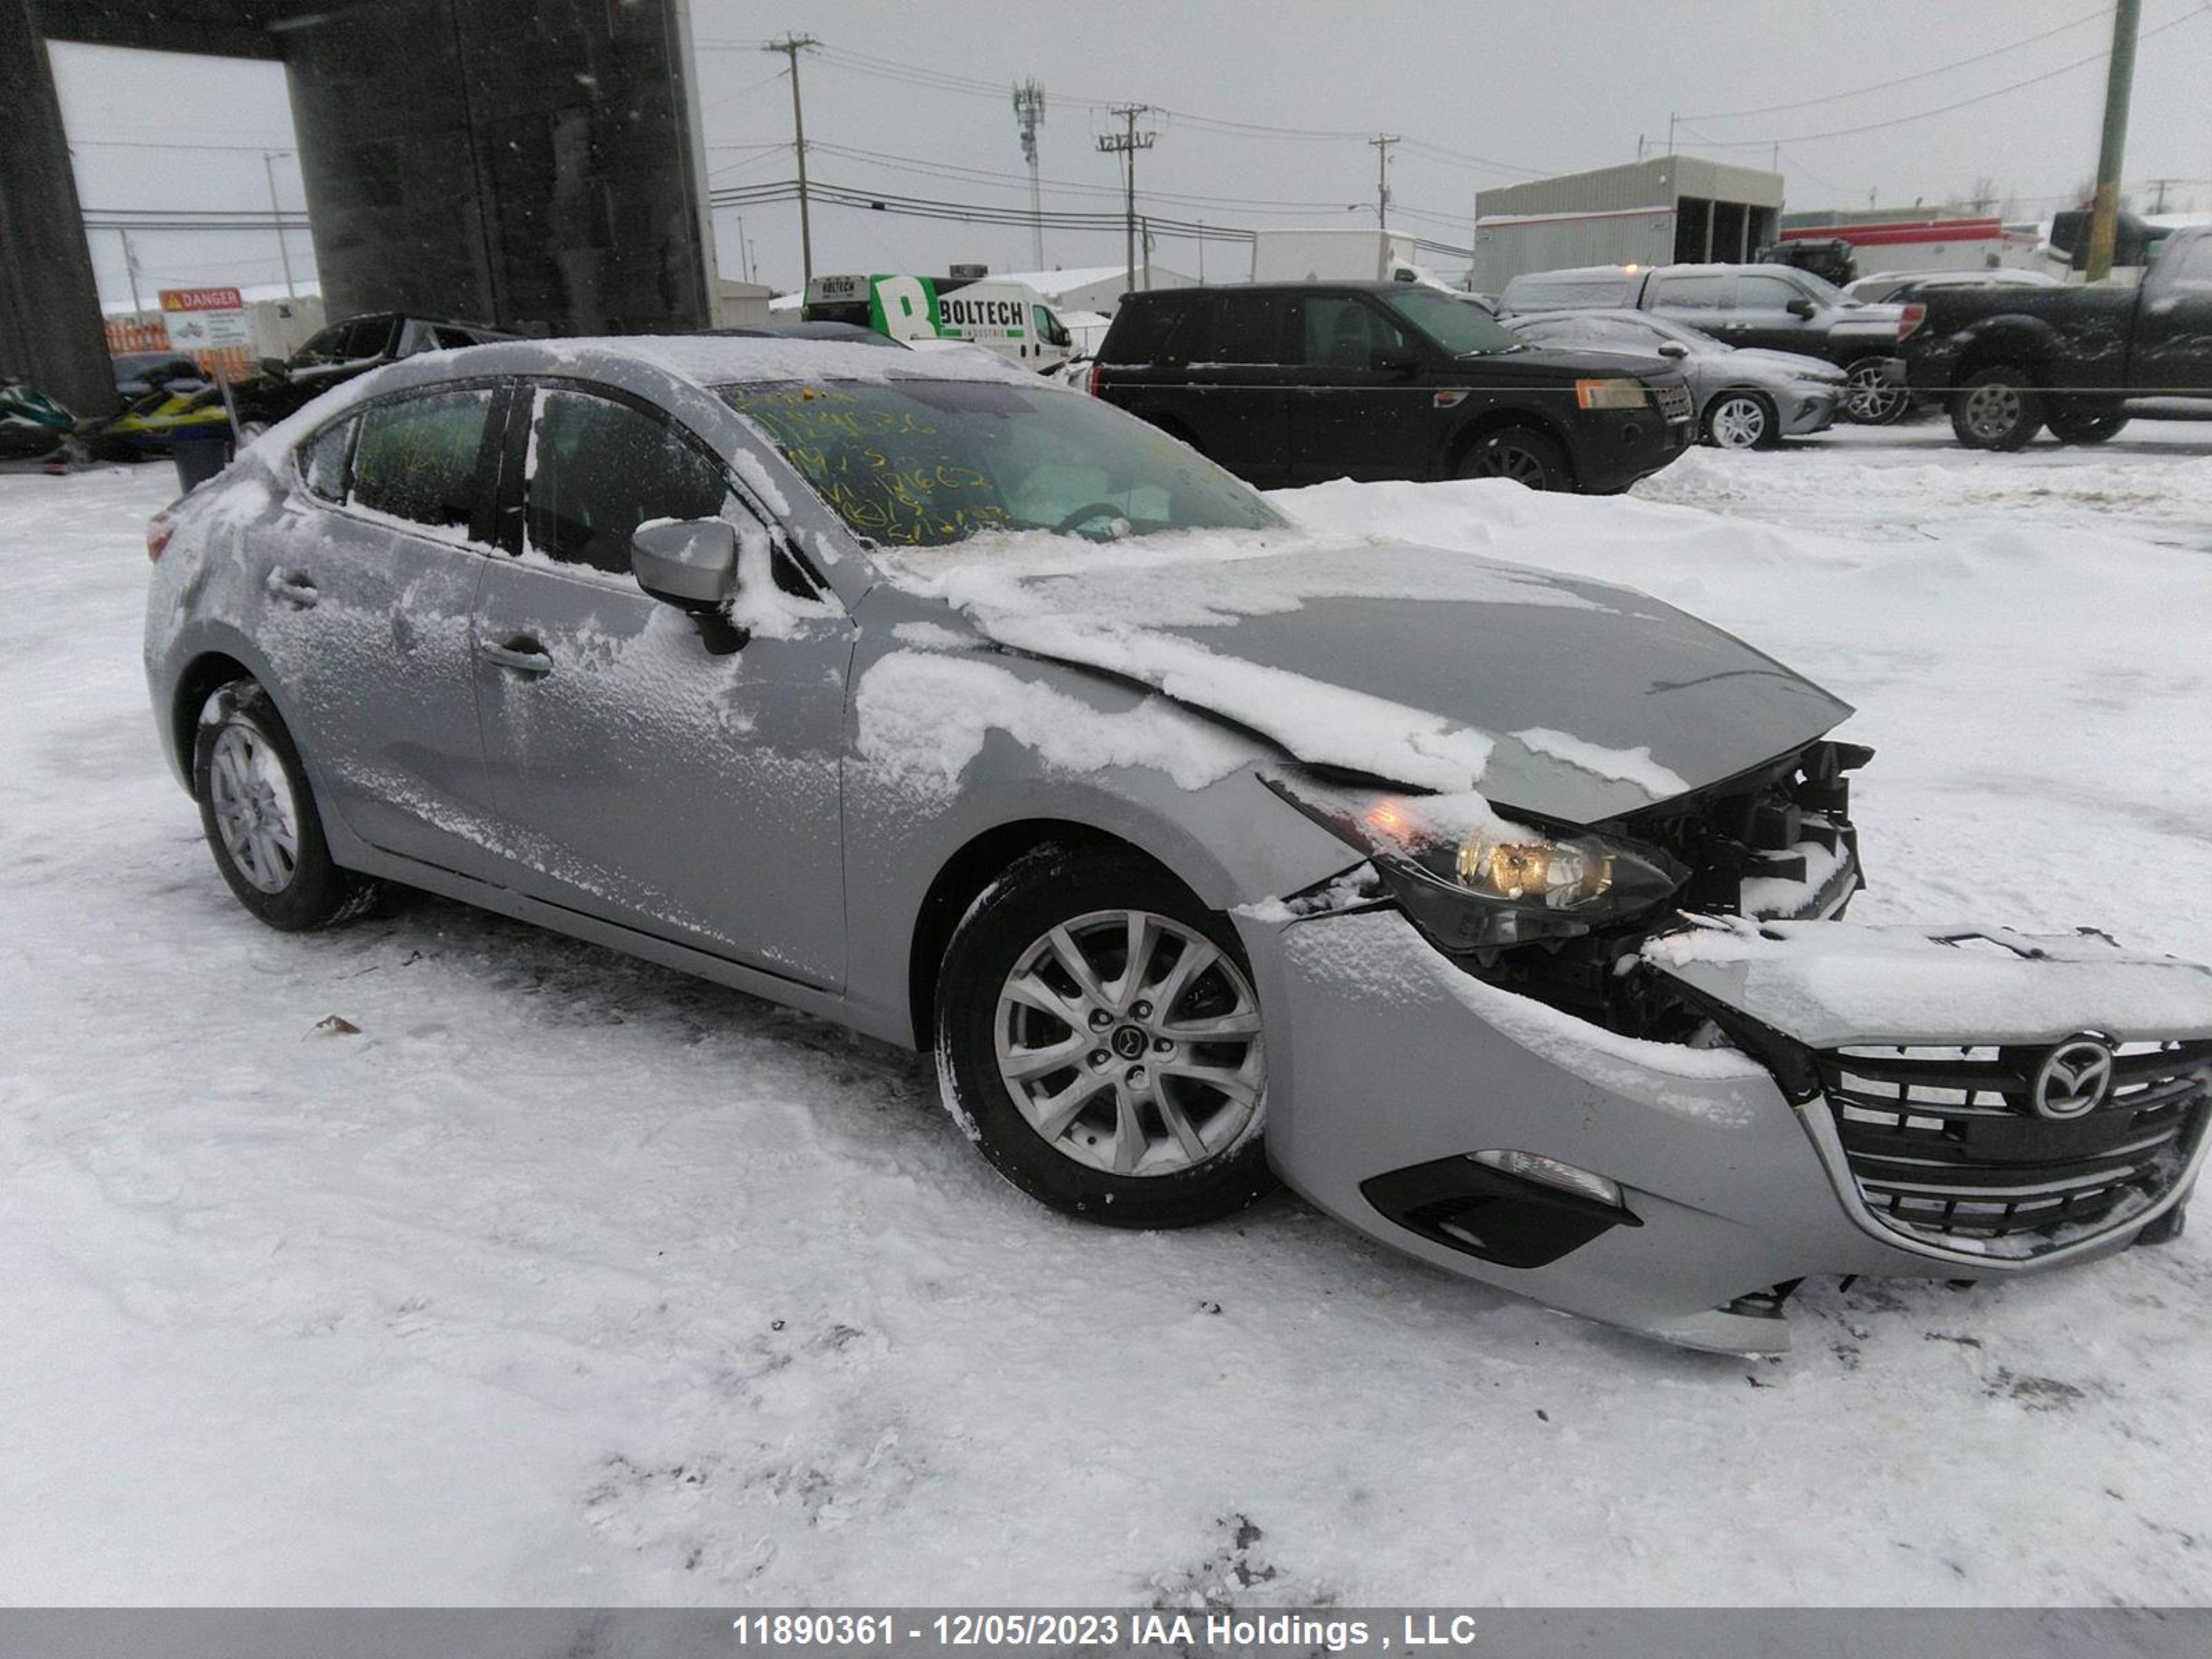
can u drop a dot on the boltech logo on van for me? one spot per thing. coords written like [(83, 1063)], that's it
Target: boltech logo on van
[(957, 313)]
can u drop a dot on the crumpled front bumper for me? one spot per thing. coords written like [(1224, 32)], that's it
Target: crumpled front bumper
[(1388, 1056)]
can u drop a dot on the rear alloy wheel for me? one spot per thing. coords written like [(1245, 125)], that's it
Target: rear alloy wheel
[(1098, 1034), (260, 815), (2085, 419), (1871, 398), (1528, 457), (1997, 409), (1740, 420)]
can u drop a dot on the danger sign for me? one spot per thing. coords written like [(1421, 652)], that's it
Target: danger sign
[(205, 319)]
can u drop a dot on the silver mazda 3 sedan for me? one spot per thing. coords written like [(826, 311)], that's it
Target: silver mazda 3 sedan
[(1491, 910)]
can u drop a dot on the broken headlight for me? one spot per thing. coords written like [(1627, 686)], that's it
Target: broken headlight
[(1472, 880)]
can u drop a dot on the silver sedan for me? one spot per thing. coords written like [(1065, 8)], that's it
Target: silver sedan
[(926, 697), (1746, 397)]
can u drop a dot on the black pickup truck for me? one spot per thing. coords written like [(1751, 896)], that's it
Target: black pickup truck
[(2010, 361)]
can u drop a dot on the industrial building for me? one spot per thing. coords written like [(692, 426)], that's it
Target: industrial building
[(1669, 209)]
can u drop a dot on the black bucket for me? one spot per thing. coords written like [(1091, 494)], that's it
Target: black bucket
[(199, 459)]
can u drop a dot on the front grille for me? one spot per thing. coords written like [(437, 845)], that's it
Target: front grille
[(1673, 401), (1944, 1146)]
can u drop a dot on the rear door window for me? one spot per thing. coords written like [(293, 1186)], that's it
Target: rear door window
[(1248, 328), (421, 460), (1709, 292), (1343, 331), (1142, 331), (597, 469)]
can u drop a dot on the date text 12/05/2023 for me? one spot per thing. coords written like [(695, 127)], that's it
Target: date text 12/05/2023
[(1328, 1630)]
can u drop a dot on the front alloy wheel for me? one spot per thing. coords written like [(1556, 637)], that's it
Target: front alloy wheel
[(1099, 1037), (1130, 1044), (1871, 398), (1739, 420)]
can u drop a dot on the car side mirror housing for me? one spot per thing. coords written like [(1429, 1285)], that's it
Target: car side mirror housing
[(1800, 307), (1394, 360), (691, 563), (1674, 349)]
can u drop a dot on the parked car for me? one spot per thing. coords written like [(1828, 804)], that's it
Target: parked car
[(332, 356), (1746, 397), (138, 373), (1831, 259), (1154, 815), (1898, 287), (1773, 308), (1292, 383), (2010, 361)]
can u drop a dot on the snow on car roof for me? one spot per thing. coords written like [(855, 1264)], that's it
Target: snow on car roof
[(706, 361)]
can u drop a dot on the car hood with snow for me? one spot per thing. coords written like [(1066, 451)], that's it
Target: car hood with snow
[(1574, 700)]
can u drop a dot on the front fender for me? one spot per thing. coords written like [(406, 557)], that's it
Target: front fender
[(948, 747)]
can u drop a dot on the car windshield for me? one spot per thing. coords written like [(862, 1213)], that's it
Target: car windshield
[(1459, 325), (922, 463)]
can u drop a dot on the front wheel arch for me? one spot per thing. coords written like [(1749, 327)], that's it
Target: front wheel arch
[(1517, 422), (963, 878)]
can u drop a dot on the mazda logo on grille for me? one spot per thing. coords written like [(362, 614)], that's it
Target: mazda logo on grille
[(2074, 1078)]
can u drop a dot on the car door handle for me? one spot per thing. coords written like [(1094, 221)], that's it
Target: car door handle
[(521, 653), (291, 587)]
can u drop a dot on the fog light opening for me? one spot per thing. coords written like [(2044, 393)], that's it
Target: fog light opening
[(1554, 1172)]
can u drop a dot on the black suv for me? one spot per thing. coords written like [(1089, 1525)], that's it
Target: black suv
[(1292, 383), (340, 352)]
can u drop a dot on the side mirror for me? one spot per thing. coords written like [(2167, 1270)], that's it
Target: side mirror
[(691, 563), (1674, 349), (1799, 307), (276, 368), (1394, 360)]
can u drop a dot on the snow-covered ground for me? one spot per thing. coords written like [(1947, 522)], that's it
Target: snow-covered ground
[(568, 1280)]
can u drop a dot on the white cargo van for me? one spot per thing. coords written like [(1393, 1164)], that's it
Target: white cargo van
[(1336, 256), (1009, 319)]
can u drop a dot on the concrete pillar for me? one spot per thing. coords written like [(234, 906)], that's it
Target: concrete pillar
[(520, 164), (50, 329)]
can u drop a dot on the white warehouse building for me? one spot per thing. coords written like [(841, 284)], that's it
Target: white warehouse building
[(1670, 209)]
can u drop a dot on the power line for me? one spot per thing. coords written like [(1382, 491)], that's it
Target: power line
[(1899, 80), (1945, 109)]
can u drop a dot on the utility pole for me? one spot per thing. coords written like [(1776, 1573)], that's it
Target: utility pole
[(791, 45), (277, 212), (2119, 80), (1380, 143), (131, 271), (2159, 185), (1125, 143), (1028, 115), (1670, 132)]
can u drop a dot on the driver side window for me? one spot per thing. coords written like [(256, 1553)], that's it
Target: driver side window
[(597, 469)]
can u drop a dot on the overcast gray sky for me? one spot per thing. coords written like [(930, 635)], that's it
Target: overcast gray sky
[(1532, 85)]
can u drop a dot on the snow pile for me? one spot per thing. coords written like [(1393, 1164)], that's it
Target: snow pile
[(566, 1279)]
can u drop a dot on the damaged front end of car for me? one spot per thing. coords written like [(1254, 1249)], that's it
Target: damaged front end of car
[(1688, 1086)]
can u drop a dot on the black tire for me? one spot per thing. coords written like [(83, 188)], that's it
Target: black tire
[(1870, 396), (1048, 888), (2085, 419), (1745, 416), (1997, 408), (1529, 458), (310, 892)]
